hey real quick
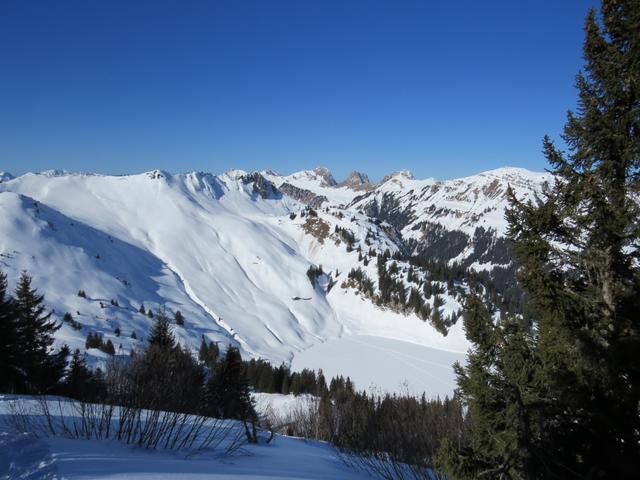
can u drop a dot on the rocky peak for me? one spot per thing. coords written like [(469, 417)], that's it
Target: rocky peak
[(157, 174), (326, 175), (356, 181), (261, 186), (406, 174)]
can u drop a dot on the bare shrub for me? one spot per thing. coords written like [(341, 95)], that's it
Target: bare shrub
[(390, 437), (51, 417)]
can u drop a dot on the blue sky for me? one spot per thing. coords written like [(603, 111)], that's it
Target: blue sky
[(444, 89)]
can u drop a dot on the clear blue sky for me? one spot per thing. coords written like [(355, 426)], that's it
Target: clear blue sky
[(442, 88)]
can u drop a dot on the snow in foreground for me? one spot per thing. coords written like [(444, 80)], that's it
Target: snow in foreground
[(54, 458), (23, 456)]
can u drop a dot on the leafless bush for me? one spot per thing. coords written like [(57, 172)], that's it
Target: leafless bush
[(389, 437), (301, 421), (47, 417), (384, 465)]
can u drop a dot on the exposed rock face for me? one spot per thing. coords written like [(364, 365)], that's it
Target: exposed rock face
[(399, 174), (388, 208), (326, 175), (303, 195), (357, 181), (456, 221), (262, 186), (460, 220), (156, 174)]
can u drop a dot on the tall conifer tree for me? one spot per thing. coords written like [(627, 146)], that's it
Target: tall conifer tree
[(39, 367), (578, 251), (227, 391), (161, 334), (8, 338), (78, 383)]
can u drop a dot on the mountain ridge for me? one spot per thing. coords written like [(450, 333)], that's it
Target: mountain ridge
[(233, 252)]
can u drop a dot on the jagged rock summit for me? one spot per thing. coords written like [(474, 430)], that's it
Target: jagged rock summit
[(326, 175), (357, 181), (406, 174)]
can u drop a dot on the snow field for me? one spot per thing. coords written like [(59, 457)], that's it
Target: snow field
[(27, 457)]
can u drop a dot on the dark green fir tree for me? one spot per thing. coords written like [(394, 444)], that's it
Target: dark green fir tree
[(40, 368), (179, 318), (227, 391), (79, 380), (161, 334), (8, 339), (560, 397)]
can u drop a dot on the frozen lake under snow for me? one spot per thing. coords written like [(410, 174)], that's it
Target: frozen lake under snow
[(384, 364)]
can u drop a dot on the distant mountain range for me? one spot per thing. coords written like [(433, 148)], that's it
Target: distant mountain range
[(239, 254)]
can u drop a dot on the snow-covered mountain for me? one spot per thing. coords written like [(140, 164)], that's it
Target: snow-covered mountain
[(233, 253), (454, 220)]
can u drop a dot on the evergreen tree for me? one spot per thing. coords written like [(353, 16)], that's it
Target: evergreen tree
[(571, 411), (35, 331), (227, 391), (165, 377), (108, 348), (208, 354), (8, 339), (495, 384), (179, 318), (415, 300), (94, 340), (321, 384), (294, 384), (203, 351), (285, 385), (266, 381), (78, 382), (161, 333)]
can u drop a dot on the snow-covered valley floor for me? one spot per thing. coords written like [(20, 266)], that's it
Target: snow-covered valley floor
[(384, 364)]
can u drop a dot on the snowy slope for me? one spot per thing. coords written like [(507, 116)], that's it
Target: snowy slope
[(66, 255), (214, 237), (45, 458), (231, 252), (231, 261)]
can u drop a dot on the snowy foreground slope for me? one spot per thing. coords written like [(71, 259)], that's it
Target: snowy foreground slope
[(232, 251), (51, 458), (26, 457)]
